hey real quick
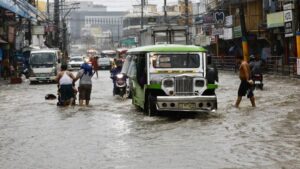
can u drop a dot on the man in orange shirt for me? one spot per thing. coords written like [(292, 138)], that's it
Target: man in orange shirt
[(95, 64)]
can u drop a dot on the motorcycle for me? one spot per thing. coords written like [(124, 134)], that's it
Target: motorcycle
[(61, 102), (258, 81), (120, 85)]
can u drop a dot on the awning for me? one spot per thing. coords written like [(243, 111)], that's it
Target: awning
[(22, 8), (12, 6)]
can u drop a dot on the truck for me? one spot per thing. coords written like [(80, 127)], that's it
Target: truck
[(169, 34), (44, 65)]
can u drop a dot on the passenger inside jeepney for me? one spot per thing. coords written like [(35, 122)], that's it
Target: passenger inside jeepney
[(141, 71), (176, 61)]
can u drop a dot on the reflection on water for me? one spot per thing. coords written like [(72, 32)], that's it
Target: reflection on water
[(111, 133)]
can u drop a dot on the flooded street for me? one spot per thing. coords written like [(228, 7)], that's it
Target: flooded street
[(112, 134)]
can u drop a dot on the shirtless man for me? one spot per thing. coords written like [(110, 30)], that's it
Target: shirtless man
[(246, 83)]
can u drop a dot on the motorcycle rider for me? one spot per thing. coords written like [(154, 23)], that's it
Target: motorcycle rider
[(115, 71), (255, 66)]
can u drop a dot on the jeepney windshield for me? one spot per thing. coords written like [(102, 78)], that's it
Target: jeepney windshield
[(175, 61)]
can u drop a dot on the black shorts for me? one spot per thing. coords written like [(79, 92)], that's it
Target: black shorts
[(245, 88), (85, 92), (66, 92)]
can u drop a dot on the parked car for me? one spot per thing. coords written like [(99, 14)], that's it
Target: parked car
[(104, 62), (75, 63)]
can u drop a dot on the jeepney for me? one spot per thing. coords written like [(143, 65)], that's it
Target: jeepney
[(170, 78)]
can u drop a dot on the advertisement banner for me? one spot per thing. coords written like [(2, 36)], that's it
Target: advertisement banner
[(38, 30), (228, 34), (275, 20)]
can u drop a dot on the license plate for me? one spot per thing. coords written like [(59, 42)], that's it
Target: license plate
[(257, 82), (187, 105)]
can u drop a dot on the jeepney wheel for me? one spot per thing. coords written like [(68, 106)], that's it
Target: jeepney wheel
[(150, 107)]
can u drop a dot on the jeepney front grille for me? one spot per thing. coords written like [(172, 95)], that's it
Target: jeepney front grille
[(183, 86)]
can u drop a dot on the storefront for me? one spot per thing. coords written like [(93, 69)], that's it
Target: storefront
[(13, 16)]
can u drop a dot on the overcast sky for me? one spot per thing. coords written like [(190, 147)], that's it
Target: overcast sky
[(123, 5)]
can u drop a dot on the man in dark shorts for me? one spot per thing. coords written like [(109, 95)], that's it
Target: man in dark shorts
[(246, 83)]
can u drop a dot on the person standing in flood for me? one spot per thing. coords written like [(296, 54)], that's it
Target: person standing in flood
[(245, 87), (65, 86), (85, 75)]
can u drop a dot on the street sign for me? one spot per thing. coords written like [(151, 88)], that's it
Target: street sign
[(288, 15), (288, 6), (288, 29), (288, 23), (219, 17)]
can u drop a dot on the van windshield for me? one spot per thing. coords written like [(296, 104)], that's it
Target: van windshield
[(42, 59), (176, 61)]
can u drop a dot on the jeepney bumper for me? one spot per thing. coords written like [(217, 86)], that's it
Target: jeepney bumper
[(186, 103)]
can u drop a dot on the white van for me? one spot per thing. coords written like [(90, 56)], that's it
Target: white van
[(44, 65)]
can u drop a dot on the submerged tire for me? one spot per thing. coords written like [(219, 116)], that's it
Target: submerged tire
[(150, 106)]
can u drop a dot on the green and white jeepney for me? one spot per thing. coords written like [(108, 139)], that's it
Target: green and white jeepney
[(170, 78)]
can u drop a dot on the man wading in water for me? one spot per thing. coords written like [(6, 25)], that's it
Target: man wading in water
[(246, 83)]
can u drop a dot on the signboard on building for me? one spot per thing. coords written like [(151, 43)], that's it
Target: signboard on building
[(288, 6), (228, 21), (275, 20), (288, 29), (202, 40), (219, 17), (288, 23), (208, 19), (217, 31), (38, 30), (288, 15), (228, 34), (237, 32)]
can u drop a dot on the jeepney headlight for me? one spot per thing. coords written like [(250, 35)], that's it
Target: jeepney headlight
[(199, 83), (168, 83)]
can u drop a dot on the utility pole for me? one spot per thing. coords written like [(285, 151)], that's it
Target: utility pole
[(56, 22), (48, 12), (297, 4), (186, 4), (244, 32), (165, 11), (142, 14)]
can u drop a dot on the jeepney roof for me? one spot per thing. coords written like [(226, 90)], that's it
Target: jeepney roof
[(167, 48), (44, 51)]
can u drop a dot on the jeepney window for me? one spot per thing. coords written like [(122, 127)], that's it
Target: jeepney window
[(176, 61), (126, 64), (132, 68)]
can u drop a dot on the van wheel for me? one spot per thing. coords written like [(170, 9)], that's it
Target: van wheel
[(150, 107)]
